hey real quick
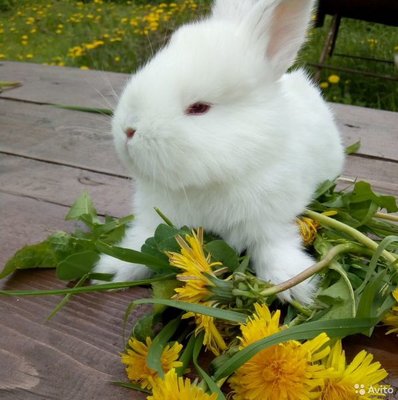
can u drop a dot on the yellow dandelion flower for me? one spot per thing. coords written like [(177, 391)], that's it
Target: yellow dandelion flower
[(260, 325), (213, 339), (334, 79), (324, 85), (391, 319), (345, 381), (308, 229), (174, 387), (194, 264), (285, 371), (135, 360), (2, 56)]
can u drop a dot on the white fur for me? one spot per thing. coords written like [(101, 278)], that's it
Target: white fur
[(245, 169)]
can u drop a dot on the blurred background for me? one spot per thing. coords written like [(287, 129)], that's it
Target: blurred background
[(120, 35)]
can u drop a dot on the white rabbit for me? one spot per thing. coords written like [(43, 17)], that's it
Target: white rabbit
[(217, 134)]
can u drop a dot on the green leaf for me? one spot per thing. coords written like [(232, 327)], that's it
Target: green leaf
[(163, 290), (186, 355), (164, 239), (375, 258), (143, 327), (227, 315), (209, 382), (113, 224), (84, 289), (325, 187), (9, 85), (154, 358), (102, 111), (40, 255), (339, 298), (367, 305), (221, 251), (353, 148), (363, 192), (244, 264), (135, 257), (83, 210), (77, 265), (67, 298), (337, 328)]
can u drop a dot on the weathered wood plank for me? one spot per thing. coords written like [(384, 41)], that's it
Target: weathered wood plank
[(382, 175), (81, 344), (62, 185), (62, 85), (26, 221), (60, 136), (376, 129)]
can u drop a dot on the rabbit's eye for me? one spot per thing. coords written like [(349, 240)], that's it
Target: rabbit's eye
[(198, 108)]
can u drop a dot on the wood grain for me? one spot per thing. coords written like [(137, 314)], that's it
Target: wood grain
[(25, 221), (62, 85), (376, 129), (73, 356), (60, 136), (62, 184)]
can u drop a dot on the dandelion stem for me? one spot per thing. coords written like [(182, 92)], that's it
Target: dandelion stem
[(359, 236), (307, 273), (388, 217)]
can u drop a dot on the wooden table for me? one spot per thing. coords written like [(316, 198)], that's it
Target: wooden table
[(48, 156)]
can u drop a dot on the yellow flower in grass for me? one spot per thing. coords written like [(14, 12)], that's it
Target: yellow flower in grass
[(391, 319), (334, 79), (194, 264), (135, 360), (288, 371), (177, 388), (213, 339), (351, 382)]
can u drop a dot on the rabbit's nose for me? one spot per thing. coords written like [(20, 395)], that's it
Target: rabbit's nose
[(130, 132)]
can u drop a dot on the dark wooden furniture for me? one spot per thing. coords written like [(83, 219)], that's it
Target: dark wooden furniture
[(378, 11), (48, 156)]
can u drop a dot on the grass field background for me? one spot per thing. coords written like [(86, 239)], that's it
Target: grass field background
[(121, 35)]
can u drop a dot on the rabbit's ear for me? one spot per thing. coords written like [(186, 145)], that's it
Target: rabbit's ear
[(232, 9), (279, 26)]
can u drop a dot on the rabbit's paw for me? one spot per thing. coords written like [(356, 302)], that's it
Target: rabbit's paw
[(122, 271), (304, 292), (284, 261)]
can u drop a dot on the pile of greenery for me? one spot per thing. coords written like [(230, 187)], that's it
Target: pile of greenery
[(209, 305)]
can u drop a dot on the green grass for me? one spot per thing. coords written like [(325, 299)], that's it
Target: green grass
[(121, 35)]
